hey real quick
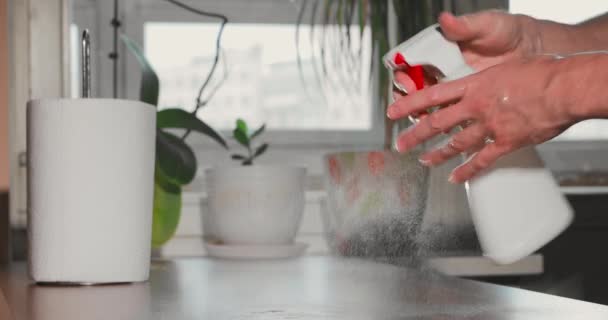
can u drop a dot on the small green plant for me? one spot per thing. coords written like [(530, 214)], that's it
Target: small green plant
[(242, 136)]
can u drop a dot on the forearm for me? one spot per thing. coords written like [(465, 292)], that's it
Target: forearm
[(595, 32), (557, 38), (579, 85)]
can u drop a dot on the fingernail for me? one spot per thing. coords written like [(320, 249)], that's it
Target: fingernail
[(390, 113), (452, 179), (400, 87), (397, 147), (425, 162)]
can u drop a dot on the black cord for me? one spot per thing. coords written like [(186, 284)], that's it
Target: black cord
[(216, 59), (199, 12), (115, 23)]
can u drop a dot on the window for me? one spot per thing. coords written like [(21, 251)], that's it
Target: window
[(568, 12), (263, 82)]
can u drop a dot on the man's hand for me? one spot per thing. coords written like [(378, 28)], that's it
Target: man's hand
[(491, 37), (486, 39), (515, 104), (519, 98)]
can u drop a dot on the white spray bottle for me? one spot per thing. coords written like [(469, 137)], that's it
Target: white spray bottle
[(516, 206)]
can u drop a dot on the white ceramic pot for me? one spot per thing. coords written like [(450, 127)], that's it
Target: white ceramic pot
[(255, 205), (90, 183)]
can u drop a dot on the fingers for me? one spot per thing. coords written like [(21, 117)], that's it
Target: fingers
[(479, 162), (466, 27), (402, 85), (418, 101), (437, 122), (405, 81), (469, 140)]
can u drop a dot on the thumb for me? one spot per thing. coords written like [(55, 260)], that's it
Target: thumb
[(462, 28)]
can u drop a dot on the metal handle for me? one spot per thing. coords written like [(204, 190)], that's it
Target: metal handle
[(86, 64)]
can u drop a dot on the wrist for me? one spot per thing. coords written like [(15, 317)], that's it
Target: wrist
[(555, 38), (576, 86), (531, 36)]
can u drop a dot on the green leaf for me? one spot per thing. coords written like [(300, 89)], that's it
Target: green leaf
[(167, 209), (362, 16), (241, 125), (238, 157), (176, 160), (150, 85), (339, 15), (258, 132), (178, 118), (242, 138), (260, 150)]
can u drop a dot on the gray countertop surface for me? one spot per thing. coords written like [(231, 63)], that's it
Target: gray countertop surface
[(304, 288)]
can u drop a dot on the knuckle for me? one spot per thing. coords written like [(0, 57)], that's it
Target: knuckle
[(439, 155), (434, 96), (481, 162), (445, 153), (468, 112), (477, 106), (477, 165), (407, 140), (475, 113), (398, 108), (493, 126), (469, 87), (434, 122), (464, 172), (503, 143), (418, 132), (434, 157), (476, 103), (458, 143)]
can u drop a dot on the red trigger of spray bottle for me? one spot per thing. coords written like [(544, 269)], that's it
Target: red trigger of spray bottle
[(416, 73)]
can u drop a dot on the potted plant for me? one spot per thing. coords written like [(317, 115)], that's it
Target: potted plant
[(176, 163), (251, 204)]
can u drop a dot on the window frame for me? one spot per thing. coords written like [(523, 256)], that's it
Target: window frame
[(136, 12)]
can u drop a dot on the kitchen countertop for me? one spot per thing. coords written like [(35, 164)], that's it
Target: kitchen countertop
[(305, 288)]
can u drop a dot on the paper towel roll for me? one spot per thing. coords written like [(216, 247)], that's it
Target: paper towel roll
[(90, 189)]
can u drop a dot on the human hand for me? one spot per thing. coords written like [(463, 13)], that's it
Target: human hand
[(515, 104), (486, 38)]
